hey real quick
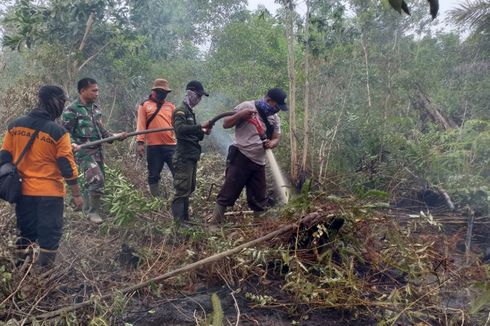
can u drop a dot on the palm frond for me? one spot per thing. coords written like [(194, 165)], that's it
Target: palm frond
[(474, 14)]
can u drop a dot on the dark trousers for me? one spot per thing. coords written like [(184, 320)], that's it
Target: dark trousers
[(157, 156), (242, 172), (184, 184), (39, 219)]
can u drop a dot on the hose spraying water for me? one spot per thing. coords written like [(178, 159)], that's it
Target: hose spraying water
[(280, 183), (281, 186)]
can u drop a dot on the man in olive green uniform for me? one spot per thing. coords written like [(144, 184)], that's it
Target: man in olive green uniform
[(188, 151), (83, 119)]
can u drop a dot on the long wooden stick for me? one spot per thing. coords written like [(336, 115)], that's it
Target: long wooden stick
[(148, 131), (134, 133), (181, 270)]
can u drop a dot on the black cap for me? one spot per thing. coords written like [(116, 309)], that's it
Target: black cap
[(278, 96), (197, 87)]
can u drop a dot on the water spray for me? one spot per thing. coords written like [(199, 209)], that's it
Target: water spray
[(281, 185), (280, 182)]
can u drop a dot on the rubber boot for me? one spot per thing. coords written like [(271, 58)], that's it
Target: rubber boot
[(186, 210), (178, 211), (21, 255), (46, 258), (23, 251), (86, 203), (164, 192), (154, 189), (218, 214), (258, 214), (93, 212)]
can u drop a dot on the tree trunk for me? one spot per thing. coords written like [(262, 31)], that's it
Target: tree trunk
[(366, 63), (292, 90), (306, 118)]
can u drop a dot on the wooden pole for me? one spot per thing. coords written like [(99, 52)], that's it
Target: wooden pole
[(134, 133), (148, 131)]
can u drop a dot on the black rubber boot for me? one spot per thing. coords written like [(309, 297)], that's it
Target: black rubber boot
[(23, 251), (179, 211), (46, 258), (218, 214), (154, 189), (22, 255), (186, 210)]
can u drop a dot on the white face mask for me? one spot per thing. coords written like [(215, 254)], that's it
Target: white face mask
[(192, 98)]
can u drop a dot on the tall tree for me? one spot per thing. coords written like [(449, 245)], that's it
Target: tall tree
[(247, 57), (289, 6), (306, 103)]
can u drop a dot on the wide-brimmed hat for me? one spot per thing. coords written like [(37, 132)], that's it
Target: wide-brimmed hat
[(161, 84)]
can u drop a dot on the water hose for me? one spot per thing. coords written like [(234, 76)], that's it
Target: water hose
[(220, 116), (148, 131), (280, 182)]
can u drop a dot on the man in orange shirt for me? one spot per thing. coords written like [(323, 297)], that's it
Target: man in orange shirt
[(45, 165), (155, 113)]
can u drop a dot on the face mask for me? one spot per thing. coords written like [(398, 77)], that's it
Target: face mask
[(58, 106), (54, 107), (192, 98), (160, 95), (263, 106)]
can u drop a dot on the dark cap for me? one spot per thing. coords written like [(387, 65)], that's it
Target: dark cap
[(197, 87), (278, 96)]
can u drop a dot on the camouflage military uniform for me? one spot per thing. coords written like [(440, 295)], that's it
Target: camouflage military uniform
[(188, 152), (84, 124)]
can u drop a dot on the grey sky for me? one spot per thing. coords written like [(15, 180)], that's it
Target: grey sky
[(444, 5)]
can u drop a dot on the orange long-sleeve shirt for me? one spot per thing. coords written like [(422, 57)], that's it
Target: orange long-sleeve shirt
[(162, 120), (48, 161)]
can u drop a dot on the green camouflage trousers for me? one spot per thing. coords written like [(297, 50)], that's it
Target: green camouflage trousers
[(184, 184), (91, 166)]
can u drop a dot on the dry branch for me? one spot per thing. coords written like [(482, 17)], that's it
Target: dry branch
[(287, 228), (83, 42), (93, 56), (424, 103), (88, 28)]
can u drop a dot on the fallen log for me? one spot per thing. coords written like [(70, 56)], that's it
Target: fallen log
[(306, 221), (424, 103)]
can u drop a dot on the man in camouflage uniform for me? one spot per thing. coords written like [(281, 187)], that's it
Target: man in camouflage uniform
[(83, 119), (188, 151)]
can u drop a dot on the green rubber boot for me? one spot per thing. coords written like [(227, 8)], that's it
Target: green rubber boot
[(86, 203), (95, 201)]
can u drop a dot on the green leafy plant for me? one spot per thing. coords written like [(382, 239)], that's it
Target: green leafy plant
[(123, 201)]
